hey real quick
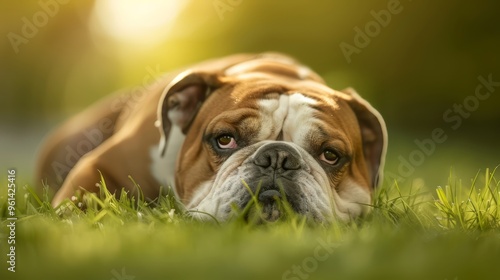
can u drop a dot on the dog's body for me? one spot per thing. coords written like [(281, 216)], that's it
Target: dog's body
[(207, 130)]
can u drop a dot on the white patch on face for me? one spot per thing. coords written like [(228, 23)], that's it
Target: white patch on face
[(291, 115), (163, 167)]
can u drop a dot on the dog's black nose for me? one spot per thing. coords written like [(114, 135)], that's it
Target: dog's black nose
[(278, 156)]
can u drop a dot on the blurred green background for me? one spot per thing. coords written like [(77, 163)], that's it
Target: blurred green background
[(413, 60)]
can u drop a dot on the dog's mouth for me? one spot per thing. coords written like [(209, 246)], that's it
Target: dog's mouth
[(271, 207), (268, 206)]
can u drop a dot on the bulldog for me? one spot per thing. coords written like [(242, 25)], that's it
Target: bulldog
[(223, 133)]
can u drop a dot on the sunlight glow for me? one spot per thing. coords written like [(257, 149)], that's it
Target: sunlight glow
[(135, 21)]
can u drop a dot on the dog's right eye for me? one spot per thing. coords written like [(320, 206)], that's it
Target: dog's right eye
[(329, 156), (226, 142)]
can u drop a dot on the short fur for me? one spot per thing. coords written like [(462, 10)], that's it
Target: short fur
[(272, 106)]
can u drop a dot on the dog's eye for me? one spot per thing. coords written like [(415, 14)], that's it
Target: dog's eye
[(226, 142), (330, 157)]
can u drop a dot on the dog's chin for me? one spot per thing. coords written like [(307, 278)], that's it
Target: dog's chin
[(269, 213), (233, 200), (257, 213), (281, 211)]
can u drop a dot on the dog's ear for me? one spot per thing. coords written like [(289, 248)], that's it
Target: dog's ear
[(181, 100), (373, 133)]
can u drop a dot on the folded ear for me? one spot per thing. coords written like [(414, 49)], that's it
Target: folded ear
[(373, 133), (181, 100)]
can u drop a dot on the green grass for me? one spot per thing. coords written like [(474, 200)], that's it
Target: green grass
[(412, 232)]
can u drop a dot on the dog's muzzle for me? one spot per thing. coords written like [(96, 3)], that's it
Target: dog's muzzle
[(268, 180), (276, 166)]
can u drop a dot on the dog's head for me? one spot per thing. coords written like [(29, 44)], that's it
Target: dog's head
[(271, 128)]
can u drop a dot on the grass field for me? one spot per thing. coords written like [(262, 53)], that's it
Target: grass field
[(449, 232)]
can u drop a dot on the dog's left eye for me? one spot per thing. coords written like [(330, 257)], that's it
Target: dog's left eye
[(226, 142), (330, 157)]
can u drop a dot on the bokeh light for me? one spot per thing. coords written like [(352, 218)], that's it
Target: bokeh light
[(139, 23)]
